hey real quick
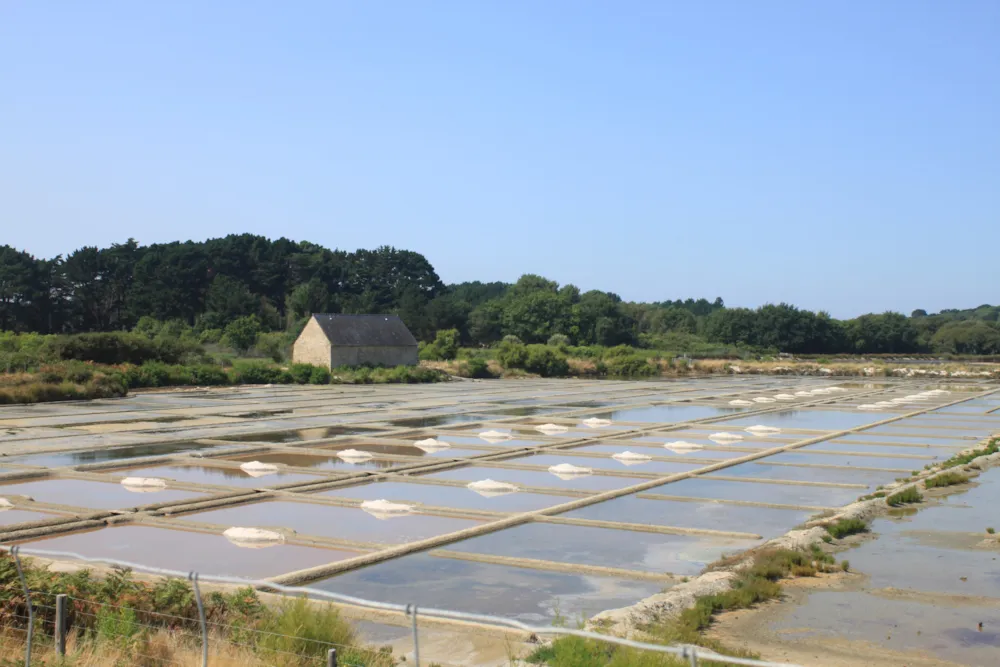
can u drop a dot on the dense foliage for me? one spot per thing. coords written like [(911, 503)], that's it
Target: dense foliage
[(239, 290)]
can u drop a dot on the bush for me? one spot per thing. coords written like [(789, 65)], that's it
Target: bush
[(476, 368), (545, 361), (908, 495), (619, 351), (512, 355), (300, 373), (257, 372), (118, 348), (511, 338), (559, 340), (319, 375), (444, 347), (241, 334), (949, 478), (632, 365), (273, 345), (846, 527), (208, 375)]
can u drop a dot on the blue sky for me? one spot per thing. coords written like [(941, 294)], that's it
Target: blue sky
[(837, 155)]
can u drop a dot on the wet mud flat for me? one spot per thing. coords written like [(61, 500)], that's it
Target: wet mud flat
[(534, 499)]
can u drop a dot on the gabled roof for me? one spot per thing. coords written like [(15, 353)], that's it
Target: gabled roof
[(374, 330)]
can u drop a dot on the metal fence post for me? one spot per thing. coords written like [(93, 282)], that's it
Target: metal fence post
[(193, 576), (61, 624), (331, 658), (27, 600), (412, 609)]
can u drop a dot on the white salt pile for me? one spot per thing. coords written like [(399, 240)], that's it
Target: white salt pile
[(725, 437), (490, 488), (630, 458), (5, 504), (354, 455), (494, 436), (784, 397), (740, 402), (760, 429), (802, 393), (551, 428), (384, 509), (144, 484), (569, 471), (595, 422), (431, 445), (258, 469), (253, 538), (681, 447), (763, 399)]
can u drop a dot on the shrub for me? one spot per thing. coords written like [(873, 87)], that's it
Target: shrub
[(476, 368), (846, 527), (300, 372), (908, 495), (559, 340), (512, 355), (206, 374), (241, 334), (845, 565), (619, 351), (210, 336), (630, 366), (257, 372), (991, 530), (444, 347), (545, 361), (949, 478), (115, 347), (319, 375), (272, 345)]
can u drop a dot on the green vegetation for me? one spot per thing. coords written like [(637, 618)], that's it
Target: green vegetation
[(845, 565), (905, 497), (949, 478), (962, 459), (119, 614), (757, 584), (233, 290), (846, 527), (991, 530)]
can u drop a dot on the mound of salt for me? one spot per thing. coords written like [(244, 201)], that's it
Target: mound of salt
[(5, 504), (723, 436), (569, 471), (784, 397), (354, 455), (490, 488), (258, 469), (869, 406), (431, 445), (681, 447), (803, 393), (494, 436), (384, 509), (630, 458), (144, 484), (253, 538), (740, 402), (551, 428), (595, 422), (763, 399), (760, 429)]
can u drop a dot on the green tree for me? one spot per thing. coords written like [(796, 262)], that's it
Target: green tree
[(241, 334)]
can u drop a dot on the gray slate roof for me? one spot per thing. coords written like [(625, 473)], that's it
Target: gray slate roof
[(373, 330)]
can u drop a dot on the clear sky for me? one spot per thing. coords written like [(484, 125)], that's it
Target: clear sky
[(836, 155)]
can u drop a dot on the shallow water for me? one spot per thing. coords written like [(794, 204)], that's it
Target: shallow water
[(57, 459), (785, 494), (12, 516), (299, 435), (648, 552), (457, 497), (196, 474), (439, 420), (816, 420), (313, 461), (347, 523), (535, 478), (840, 476), (94, 495), (667, 413), (710, 516), (521, 593), (607, 463), (188, 551)]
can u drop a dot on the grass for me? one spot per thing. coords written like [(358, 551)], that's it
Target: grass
[(754, 585), (846, 527), (949, 478), (117, 620), (905, 497), (962, 459), (991, 530)]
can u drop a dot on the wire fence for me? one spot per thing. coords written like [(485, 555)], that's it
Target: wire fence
[(63, 623)]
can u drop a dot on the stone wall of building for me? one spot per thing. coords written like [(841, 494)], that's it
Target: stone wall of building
[(312, 346)]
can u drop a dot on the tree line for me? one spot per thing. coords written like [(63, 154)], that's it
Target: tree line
[(279, 283)]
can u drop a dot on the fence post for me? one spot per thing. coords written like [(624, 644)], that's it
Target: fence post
[(61, 624), (193, 576), (27, 599), (412, 609), (331, 658)]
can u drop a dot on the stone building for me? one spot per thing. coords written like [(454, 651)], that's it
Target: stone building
[(353, 340)]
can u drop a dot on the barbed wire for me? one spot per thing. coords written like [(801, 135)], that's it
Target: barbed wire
[(685, 651)]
